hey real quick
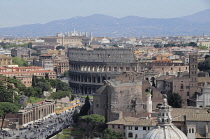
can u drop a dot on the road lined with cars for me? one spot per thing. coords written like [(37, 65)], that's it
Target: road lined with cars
[(44, 128)]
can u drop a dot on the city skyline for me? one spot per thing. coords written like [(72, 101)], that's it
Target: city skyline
[(21, 12)]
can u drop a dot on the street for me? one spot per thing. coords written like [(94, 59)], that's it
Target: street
[(41, 129)]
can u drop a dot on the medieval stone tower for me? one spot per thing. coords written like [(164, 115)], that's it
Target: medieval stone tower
[(193, 74)]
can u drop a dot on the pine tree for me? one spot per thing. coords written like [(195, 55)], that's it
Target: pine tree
[(86, 107)]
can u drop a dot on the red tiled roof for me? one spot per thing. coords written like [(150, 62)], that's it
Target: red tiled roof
[(36, 71)]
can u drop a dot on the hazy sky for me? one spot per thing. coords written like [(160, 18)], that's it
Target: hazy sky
[(19, 12)]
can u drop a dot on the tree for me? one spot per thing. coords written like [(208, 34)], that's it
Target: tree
[(91, 123), (207, 56), (15, 45), (34, 80), (46, 76), (178, 53), (203, 47), (30, 45), (60, 94), (65, 74), (53, 83), (175, 100), (5, 108), (60, 47), (86, 107), (111, 134), (205, 65), (75, 116), (192, 44), (19, 61), (157, 46), (115, 45)]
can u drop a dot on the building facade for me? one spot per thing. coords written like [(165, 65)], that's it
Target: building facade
[(126, 95), (34, 112), (25, 73), (5, 60)]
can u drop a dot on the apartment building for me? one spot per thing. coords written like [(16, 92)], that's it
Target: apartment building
[(25, 73)]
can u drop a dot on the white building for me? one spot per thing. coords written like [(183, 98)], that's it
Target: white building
[(203, 98), (137, 129)]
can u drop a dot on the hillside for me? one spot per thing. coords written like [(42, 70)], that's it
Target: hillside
[(102, 25)]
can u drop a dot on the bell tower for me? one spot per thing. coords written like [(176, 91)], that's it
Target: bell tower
[(193, 75)]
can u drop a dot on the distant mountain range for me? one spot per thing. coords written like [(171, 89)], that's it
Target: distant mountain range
[(103, 25)]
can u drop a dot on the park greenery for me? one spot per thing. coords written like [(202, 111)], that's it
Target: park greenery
[(205, 65), (7, 46), (19, 61), (94, 124), (173, 44), (203, 47), (12, 91), (60, 94), (91, 123), (12, 88), (111, 134), (45, 84), (5, 108)]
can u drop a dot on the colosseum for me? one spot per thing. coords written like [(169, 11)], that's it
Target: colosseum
[(90, 67)]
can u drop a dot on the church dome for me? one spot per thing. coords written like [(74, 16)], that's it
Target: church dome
[(165, 129), (165, 132)]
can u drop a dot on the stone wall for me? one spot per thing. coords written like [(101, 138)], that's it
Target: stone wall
[(89, 68), (101, 55)]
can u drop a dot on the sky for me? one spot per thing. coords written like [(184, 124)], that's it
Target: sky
[(21, 12)]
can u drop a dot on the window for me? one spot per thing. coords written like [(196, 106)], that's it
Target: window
[(130, 135), (136, 127), (181, 86), (188, 93), (115, 68), (112, 126), (97, 105), (118, 126), (148, 128), (144, 128), (192, 130), (136, 136), (129, 127)]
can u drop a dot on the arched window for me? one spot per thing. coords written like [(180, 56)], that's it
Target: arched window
[(130, 135), (189, 130), (192, 130)]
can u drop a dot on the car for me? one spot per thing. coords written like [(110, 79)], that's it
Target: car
[(22, 128), (43, 130)]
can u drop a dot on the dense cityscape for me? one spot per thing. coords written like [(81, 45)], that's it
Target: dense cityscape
[(75, 84), (105, 69)]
